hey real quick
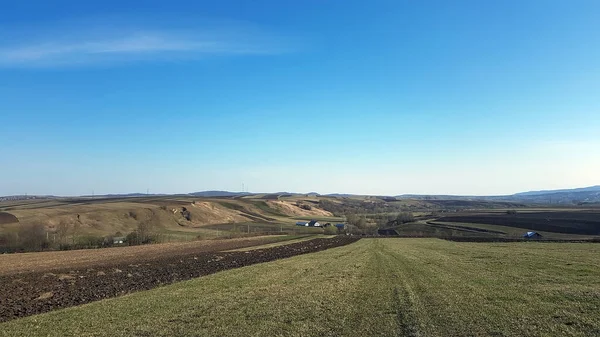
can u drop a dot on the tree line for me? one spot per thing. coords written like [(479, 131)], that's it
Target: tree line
[(67, 236), (353, 206), (369, 224)]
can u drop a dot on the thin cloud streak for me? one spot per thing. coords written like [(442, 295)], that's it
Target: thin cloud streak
[(128, 45)]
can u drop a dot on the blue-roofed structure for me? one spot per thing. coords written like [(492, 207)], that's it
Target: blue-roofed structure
[(532, 235), (301, 223)]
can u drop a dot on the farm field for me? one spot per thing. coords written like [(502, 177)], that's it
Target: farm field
[(567, 222), (26, 294), (253, 228), (477, 229), (45, 261), (383, 287), (72, 223), (292, 239)]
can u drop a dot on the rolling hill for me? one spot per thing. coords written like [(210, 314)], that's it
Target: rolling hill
[(585, 195)]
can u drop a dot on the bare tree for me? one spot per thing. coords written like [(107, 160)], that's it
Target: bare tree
[(62, 230), (32, 237), (145, 231), (404, 217), (76, 230)]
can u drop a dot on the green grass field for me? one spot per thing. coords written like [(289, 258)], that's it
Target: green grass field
[(375, 287)]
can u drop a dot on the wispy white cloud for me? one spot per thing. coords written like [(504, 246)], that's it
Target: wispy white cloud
[(89, 46)]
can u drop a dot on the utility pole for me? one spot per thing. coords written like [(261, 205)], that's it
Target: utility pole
[(248, 228)]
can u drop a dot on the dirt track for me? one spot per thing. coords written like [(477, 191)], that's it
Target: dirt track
[(33, 293)]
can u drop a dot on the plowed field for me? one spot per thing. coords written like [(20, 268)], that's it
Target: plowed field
[(25, 294)]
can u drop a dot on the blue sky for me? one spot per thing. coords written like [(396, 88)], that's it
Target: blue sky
[(378, 97)]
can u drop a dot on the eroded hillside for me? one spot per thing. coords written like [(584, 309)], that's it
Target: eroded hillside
[(121, 216)]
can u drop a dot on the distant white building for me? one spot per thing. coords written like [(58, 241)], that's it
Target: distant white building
[(314, 223)]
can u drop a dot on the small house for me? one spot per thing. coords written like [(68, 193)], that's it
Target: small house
[(301, 223), (314, 223), (532, 235)]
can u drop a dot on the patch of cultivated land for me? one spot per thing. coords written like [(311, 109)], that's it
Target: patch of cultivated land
[(573, 222), (33, 293), (374, 287), (88, 258), (299, 238), (506, 231), (7, 218)]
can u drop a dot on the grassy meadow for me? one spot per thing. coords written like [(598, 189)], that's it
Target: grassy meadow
[(375, 287)]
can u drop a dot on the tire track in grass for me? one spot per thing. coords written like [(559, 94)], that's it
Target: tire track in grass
[(405, 313), (428, 276), (371, 298), (399, 296), (403, 299)]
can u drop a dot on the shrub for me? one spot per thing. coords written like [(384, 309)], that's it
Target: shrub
[(331, 230), (32, 237), (404, 217), (133, 239), (303, 206)]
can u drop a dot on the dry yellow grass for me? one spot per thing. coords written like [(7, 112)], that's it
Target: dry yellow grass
[(100, 217), (291, 209)]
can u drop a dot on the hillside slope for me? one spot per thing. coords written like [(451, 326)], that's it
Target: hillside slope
[(103, 217)]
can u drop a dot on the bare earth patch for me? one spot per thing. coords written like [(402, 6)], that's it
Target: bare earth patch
[(46, 261), (40, 292)]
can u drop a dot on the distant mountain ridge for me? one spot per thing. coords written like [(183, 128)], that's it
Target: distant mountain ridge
[(595, 188), (209, 194), (582, 195), (126, 195)]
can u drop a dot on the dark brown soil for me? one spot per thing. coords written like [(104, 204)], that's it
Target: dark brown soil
[(575, 222), (6, 218), (84, 258), (33, 293)]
